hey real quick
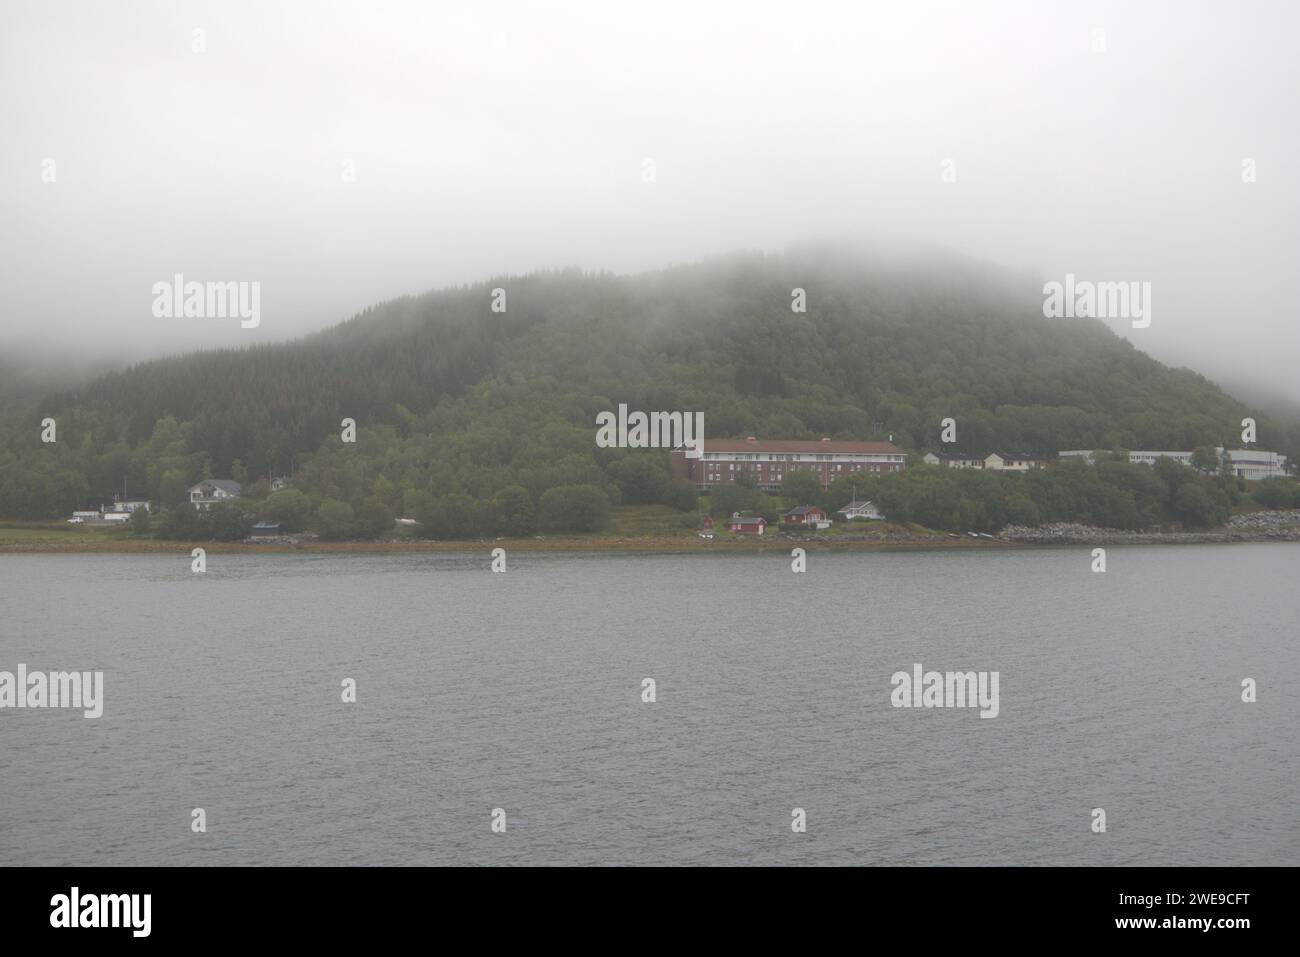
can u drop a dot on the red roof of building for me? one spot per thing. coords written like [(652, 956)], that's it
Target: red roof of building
[(798, 445)]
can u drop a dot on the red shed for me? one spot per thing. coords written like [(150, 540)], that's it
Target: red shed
[(747, 524), (805, 515)]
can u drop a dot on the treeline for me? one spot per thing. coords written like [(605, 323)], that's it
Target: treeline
[(510, 513), (452, 399), (1112, 493)]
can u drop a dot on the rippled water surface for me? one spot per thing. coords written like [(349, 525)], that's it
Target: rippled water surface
[(522, 691)]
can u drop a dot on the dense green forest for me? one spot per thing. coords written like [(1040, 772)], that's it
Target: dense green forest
[(475, 421), (1112, 493)]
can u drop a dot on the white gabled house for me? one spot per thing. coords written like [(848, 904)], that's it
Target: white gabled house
[(856, 509), (211, 492), (1013, 462)]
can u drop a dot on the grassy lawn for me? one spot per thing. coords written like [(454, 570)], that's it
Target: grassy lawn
[(873, 529), (57, 533), (650, 521)]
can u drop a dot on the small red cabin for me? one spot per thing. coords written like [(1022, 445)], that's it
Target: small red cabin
[(805, 515), (747, 524)]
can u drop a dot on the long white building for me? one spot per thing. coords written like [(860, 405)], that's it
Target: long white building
[(1256, 464), (1250, 464)]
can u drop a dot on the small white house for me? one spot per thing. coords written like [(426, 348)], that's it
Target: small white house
[(863, 510), (956, 460), (211, 492), (130, 505), (1013, 462)]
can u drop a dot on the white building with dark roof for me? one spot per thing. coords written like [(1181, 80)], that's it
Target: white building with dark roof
[(861, 510), (211, 492), (1255, 464)]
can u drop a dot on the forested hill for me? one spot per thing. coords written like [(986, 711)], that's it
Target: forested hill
[(452, 397)]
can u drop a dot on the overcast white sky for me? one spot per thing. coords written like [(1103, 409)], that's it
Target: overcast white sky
[(504, 137)]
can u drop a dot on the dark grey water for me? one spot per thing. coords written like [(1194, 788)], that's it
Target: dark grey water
[(522, 691)]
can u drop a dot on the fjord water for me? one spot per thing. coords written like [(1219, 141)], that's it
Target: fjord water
[(522, 691)]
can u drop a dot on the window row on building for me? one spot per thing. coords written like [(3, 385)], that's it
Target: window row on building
[(770, 462)]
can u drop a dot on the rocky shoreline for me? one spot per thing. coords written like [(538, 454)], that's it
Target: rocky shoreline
[(1276, 526)]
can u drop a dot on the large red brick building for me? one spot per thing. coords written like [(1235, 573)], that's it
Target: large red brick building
[(771, 460)]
